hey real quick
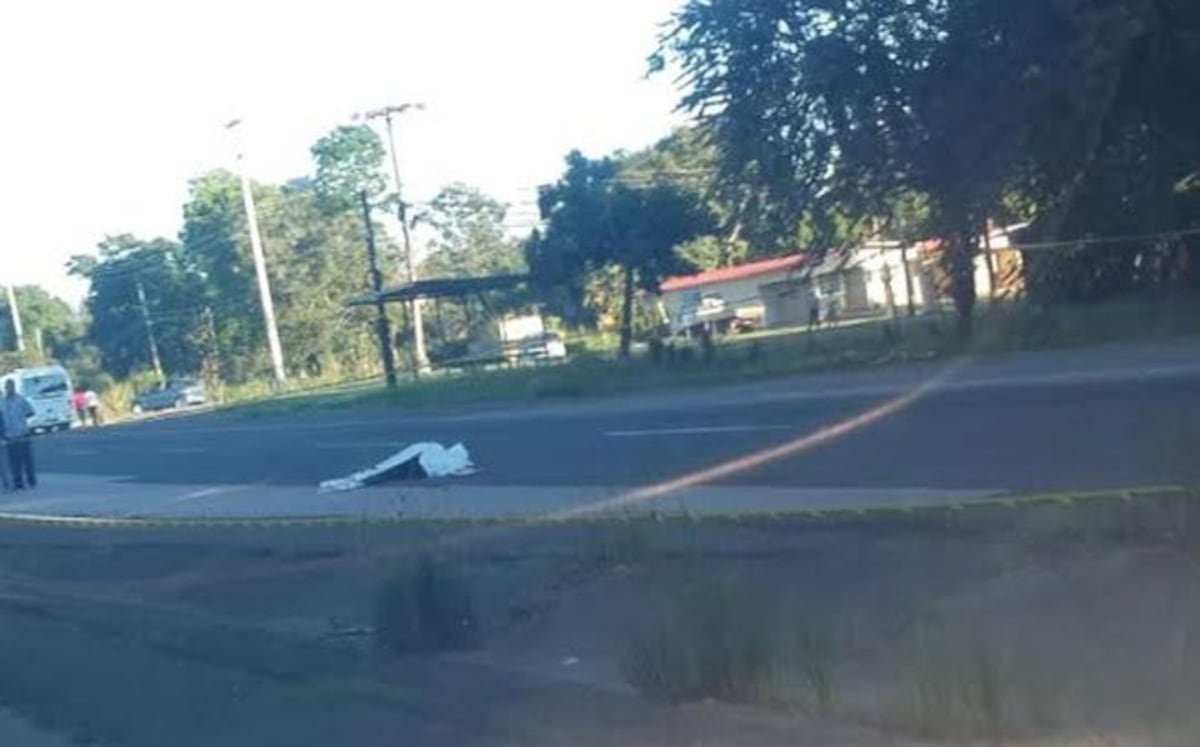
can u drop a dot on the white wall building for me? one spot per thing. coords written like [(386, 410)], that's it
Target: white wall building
[(869, 280)]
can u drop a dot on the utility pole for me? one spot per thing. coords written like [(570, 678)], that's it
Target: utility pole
[(987, 255), (420, 358), (908, 281), (15, 312), (212, 361), (260, 271), (382, 328), (155, 361)]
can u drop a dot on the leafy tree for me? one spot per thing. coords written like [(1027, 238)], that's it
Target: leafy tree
[(348, 160), (687, 159), (170, 287), (818, 105), (853, 103), (595, 220), (52, 328), (315, 260), (1114, 149), (215, 242), (469, 237), (469, 240)]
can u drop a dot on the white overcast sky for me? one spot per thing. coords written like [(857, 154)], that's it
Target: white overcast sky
[(108, 107)]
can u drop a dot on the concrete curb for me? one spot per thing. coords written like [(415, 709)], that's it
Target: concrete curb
[(996, 501)]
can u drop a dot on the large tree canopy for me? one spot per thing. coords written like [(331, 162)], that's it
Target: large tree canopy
[(51, 327), (469, 239), (596, 218), (851, 103), (125, 271), (348, 160)]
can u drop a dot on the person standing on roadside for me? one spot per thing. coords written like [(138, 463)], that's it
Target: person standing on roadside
[(4, 468), (92, 401), (17, 411), (79, 404)]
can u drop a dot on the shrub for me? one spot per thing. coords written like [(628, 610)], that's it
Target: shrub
[(816, 650), (424, 608), (719, 644)]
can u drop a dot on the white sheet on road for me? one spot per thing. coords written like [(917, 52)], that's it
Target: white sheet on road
[(416, 461)]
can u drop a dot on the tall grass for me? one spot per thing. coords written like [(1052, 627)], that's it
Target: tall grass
[(718, 643), (425, 607), (956, 687)]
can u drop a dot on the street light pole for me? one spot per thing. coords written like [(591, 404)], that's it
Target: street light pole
[(15, 313), (260, 270), (420, 358)]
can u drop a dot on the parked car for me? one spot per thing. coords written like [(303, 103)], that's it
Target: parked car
[(177, 392), (541, 347)]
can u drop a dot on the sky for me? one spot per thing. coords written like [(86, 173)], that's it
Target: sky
[(109, 108)]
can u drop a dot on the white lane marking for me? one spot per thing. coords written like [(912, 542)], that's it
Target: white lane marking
[(206, 492), (82, 452), (358, 444), (181, 450), (695, 430)]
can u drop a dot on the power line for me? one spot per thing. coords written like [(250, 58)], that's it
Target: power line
[(1119, 239)]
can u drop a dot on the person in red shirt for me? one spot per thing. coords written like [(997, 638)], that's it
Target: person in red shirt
[(80, 404)]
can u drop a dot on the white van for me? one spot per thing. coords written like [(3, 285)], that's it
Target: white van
[(48, 389)]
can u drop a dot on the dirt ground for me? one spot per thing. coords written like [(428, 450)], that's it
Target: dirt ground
[(1064, 623)]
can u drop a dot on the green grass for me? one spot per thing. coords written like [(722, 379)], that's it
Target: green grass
[(772, 353)]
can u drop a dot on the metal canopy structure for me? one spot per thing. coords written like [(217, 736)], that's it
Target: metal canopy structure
[(440, 288)]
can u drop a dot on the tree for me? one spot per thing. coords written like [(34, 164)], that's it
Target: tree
[(469, 236), (52, 328), (1115, 149), (595, 220), (315, 260), (215, 242), (856, 102), (348, 160), (171, 289), (469, 240), (820, 105), (317, 263)]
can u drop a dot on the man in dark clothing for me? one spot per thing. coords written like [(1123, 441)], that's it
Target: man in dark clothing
[(16, 411), (5, 485)]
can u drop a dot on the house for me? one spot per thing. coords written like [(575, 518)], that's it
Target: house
[(883, 277), (864, 281), (877, 278), (726, 295), (999, 265)]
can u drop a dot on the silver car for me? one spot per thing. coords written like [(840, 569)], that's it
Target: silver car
[(177, 392)]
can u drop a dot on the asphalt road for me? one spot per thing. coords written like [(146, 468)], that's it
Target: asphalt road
[(1111, 417)]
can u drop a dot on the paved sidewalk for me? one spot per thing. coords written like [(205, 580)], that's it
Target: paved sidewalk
[(15, 732), (108, 497)]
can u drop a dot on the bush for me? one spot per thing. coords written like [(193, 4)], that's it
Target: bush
[(816, 649), (717, 646), (426, 608)]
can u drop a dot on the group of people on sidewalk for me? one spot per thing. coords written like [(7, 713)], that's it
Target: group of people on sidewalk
[(86, 404), (15, 412)]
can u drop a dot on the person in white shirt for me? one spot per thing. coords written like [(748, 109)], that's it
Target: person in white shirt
[(17, 411), (92, 401)]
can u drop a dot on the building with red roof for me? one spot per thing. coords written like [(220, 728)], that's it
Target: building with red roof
[(873, 279), (728, 295)]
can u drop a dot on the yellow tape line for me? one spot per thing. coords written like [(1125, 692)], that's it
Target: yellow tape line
[(1000, 499)]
